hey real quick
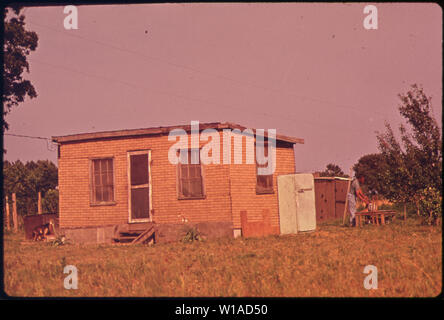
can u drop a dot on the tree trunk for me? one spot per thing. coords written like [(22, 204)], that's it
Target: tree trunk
[(405, 211)]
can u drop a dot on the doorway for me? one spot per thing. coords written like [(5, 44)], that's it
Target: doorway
[(139, 186)]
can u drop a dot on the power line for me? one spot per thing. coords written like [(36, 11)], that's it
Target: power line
[(344, 106), (170, 94), (51, 146), (285, 117), (23, 136)]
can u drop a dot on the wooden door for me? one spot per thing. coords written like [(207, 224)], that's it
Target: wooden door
[(139, 186), (340, 196)]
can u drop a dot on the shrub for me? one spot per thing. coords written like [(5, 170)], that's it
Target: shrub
[(430, 205), (60, 241), (191, 235)]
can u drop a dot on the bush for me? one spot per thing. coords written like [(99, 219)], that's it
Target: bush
[(60, 241), (410, 208), (191, 235), (430, 205)]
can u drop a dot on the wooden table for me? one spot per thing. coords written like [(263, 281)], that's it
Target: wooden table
[(374, 216)]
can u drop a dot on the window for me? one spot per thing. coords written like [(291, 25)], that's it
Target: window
[(102, 176), (264, 183), (190, 182)]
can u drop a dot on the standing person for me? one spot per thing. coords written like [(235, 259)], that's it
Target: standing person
[(355, 191)]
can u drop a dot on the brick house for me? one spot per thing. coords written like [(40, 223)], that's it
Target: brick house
[(120, 183)]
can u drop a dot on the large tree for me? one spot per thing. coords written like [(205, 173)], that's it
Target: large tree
[(423, 143), (415, 163), (372, 167), (18, 44), (397, 177)]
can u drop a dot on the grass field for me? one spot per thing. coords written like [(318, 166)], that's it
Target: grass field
[(326, 263)]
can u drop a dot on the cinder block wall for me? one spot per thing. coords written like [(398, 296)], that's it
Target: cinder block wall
[(74, 185), (229, 188), (243, 186)]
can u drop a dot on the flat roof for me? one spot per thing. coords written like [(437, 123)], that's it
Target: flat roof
[(160, 131), (332, 178)]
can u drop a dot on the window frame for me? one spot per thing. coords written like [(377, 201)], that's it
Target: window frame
[(259, 189), (92, 199), (180, 195)]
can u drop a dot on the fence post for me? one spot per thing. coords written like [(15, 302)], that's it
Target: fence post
[(8, 224), (39, 206), (14, 212)]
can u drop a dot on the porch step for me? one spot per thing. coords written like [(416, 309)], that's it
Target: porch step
[(134, 233), (124, 238), (145, 235)]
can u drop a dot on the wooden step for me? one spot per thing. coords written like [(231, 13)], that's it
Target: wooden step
[(133, 227), (134, 233), (139, 227), (124, 238), (144, 235)]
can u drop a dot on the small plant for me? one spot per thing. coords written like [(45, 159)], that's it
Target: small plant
[(191, 235), (60, 241), (63, 262)]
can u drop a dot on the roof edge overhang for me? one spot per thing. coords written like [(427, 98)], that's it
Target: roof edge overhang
[(161, 131)]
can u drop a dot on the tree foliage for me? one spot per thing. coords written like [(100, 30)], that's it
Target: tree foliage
[(26, 180), (423, 145), (50, 202), (397, 183), (415, 163), (333, 170), (372, 167), (18, 44), (430, 204)]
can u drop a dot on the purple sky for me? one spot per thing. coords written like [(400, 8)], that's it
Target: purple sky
[(307, 70)]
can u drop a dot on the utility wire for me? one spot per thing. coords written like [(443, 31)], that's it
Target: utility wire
[(170, 94), (23, 136), (51, 146), (344, 106)]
